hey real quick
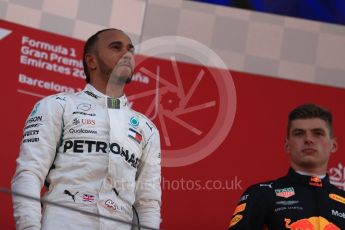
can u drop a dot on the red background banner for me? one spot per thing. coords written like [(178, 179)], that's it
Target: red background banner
[(229, 131)]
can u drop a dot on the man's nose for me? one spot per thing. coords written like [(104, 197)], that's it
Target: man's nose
[(127, 55), (308, 138)]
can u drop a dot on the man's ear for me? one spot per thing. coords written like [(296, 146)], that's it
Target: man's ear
[(91, 61), (286, 145), (334, 145)]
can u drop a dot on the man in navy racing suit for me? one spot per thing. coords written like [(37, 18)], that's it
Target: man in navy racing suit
[(304, 199), (95, 152)]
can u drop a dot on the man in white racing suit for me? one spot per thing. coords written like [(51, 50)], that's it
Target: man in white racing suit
[(95, 153)]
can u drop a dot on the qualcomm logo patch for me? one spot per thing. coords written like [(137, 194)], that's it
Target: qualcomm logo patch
[(4, 33)]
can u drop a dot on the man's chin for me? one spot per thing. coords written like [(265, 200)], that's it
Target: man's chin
[(123, 71), (309, 163), (122, 74), (122, 80)]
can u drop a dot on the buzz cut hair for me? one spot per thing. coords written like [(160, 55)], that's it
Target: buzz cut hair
[(308, 111)]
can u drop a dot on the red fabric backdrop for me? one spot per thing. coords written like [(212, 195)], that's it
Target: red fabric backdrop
[(222, 130)]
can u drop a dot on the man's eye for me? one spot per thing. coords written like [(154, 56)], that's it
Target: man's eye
[(298, 134), (117, 47), (318, 133)]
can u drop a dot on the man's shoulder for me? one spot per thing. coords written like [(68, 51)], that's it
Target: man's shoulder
[(61, 97), (54, 98), (269, 186), (263, 186), (63, 94), (338, 191), (259, 192), (144, 121)]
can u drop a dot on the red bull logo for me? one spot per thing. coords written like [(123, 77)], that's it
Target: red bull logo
[(312, 223), (315, 181)]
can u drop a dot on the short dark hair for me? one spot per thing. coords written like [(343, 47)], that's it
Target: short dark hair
[(307, 111), (89, 45)]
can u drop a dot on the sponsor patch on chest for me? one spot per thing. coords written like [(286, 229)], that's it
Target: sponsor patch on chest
[(285, 192), (135, 135)]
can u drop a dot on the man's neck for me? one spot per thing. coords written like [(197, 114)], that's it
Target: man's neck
[(111, 90), (310, 172)]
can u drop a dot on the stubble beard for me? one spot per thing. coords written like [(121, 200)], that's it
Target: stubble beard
[(112, 76)]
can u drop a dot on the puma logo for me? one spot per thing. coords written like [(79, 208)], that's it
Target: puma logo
[(266, 185), (70, 194)]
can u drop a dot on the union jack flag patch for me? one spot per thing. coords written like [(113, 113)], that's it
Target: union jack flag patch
[(88, 198)]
